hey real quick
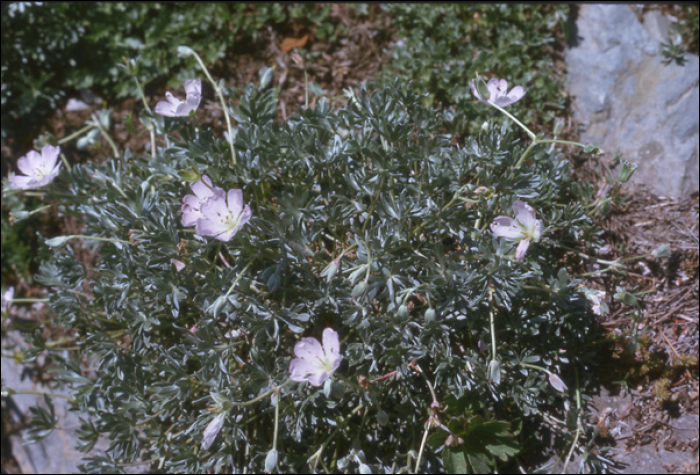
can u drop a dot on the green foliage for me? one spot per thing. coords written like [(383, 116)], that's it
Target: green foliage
[(365, 220), (50, 49), (442, 47)]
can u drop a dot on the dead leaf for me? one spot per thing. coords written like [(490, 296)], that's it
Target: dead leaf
[(289, 43)]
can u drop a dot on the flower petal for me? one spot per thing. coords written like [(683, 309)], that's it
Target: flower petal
[(300, 369), (516, 94), (235, 201), (521, 249), (22, 182), (507, 227), (309, 348), (331, 343), (524, 213), (30, 162)]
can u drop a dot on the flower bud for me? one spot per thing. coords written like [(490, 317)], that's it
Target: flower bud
[(429, 315), (359, 289), (271, 461), (58, 241), (189, 175), (626, 297), (494, 372), (212, 430), (661, 251), (403, 311), (184, 51), (330, 270), (557, 383), (481, 89), (382, 418), (626, 171)]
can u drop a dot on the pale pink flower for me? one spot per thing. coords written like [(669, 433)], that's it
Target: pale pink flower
[(212, 430), (179, 265), (557, 383), (498, 92), (175, 107), (222, 218), (40, 169), (191, 204), (316, 363), (524, 228)]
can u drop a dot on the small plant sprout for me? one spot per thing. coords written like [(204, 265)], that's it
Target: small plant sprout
[(315, 363), (175, 107), (524, 228), (222, 218), (191, 204), (40, 170)]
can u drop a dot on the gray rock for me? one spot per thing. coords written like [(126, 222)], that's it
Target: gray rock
[(57, 453), (630, 102)]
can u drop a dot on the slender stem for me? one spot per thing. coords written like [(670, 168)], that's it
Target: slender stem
[(493, 326), (148, 108), (264, 395), (96, 238), (65, 162), (430, 386), (529, 132), (578, 422), (532, 366), (37, 393), (374, 203), (277, 418), (105, 134), (75, 134), (223, 106), (238, 277), (28, 300), (527, 151), (422, 444)]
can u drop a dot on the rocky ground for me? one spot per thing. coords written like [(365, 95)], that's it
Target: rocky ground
[(647, 404)]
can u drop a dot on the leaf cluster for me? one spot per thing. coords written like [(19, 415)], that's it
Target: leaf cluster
[(366, 220)]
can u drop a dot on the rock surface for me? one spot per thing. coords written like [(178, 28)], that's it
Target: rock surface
[(630, 101)]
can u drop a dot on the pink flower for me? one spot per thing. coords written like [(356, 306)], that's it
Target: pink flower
[(316, 363), (222, 218), (557, 383), (40, 169), (212, 430), (191, 204), (213, 211), (523, 228), (498, 95), (175, 107)]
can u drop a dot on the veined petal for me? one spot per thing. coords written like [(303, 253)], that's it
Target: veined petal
[(193, 87), (317, 379), (516, 94), (507, 228), (309, 348), (22, 182), (331, 343), (300, 369), (521, 249), (30, 162), (235, 201), (524, 213)]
